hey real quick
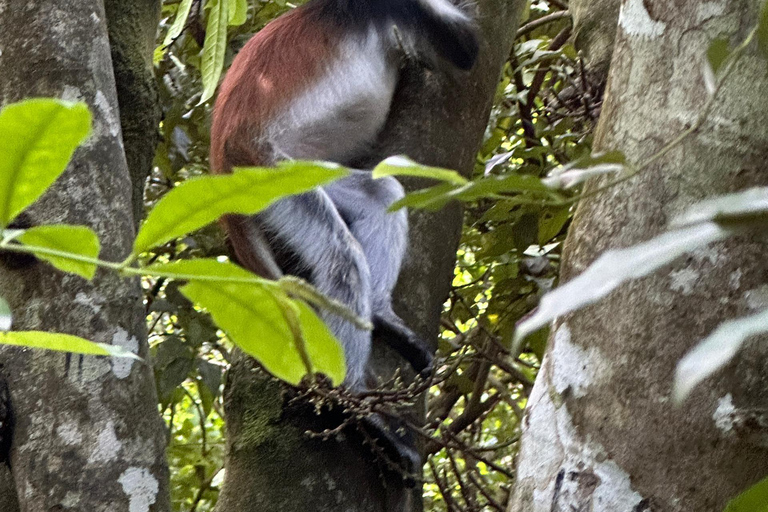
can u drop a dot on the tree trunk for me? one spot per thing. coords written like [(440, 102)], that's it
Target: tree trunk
[(594, 34), (132, 26), (601, 433), (271, 464), (86, 432)]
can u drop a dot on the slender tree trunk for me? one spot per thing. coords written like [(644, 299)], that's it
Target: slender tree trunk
[(86, 432), (132, 26), (272, 465), (601, 433)]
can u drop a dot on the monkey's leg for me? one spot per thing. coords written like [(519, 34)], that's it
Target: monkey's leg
[(309, 227), (362, 202)]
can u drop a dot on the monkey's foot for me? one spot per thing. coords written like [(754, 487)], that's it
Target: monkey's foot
[(391, 329)]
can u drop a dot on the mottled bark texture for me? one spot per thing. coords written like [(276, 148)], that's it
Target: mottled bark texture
[(594, 34), (87, 435), (132, 26), (271, 464), (601, 433)]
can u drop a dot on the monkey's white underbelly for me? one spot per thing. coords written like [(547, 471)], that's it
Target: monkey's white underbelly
[(339, 117)]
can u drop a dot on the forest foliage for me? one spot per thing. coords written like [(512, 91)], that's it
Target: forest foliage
[(518, 205)]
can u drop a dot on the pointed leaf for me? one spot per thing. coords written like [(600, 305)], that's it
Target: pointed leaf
[(615, 267), (252, 317), (404, 166), (716, 351), (238, 12), (182, 13), (717, 52), (214, 47), (62, 343), (741, 207), (5, 315), (37, 139), (754, 499), (76, 240), (198, 202)]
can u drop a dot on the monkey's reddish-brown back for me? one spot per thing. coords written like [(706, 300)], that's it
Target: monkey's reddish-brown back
[(275, 66)]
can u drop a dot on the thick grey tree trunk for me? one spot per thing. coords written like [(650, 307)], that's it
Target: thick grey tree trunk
[(86, 433), (271, 464), (601, 433)]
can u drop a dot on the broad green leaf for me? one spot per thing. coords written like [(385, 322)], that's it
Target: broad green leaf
[(432, 198), (505, 184), (37, 139), (182, 13), (76, 240), (253, 318), (581, 169), (754, 499), (733, 209), (5, 315), (214, 47), (717, 52), (238, 12), (436, 197), (200, 201), (716, 351), (62, 343), (568, 178), (615, 267), (762, 30), (404, 166)]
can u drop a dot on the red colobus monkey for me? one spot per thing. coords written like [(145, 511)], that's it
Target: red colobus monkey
[(317, 83)]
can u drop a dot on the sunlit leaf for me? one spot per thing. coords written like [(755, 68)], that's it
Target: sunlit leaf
[(732, 209), (716, 351), (200, 201), (615, 267), (5, 315), (568, 178), (252, 316), (432, 198), (62, 343), (238, 12), (76, 240), (436, 197), (37, 139), (754, 499), (182, 13), (404, 166), (214, 47)]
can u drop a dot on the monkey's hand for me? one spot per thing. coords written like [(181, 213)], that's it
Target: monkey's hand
[(391, 329)]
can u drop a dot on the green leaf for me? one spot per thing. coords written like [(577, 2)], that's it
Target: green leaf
[(182, 13), (37, 139), (436, 197), (251, 315), (754, 499), (717, 52), (741, 208), (432, 198), (214, 47), (762, 31), (404, 166), (200, 201), (715, 351), (238, 12), (5, 315), (615, 267), (76, 240), (62, 343)]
